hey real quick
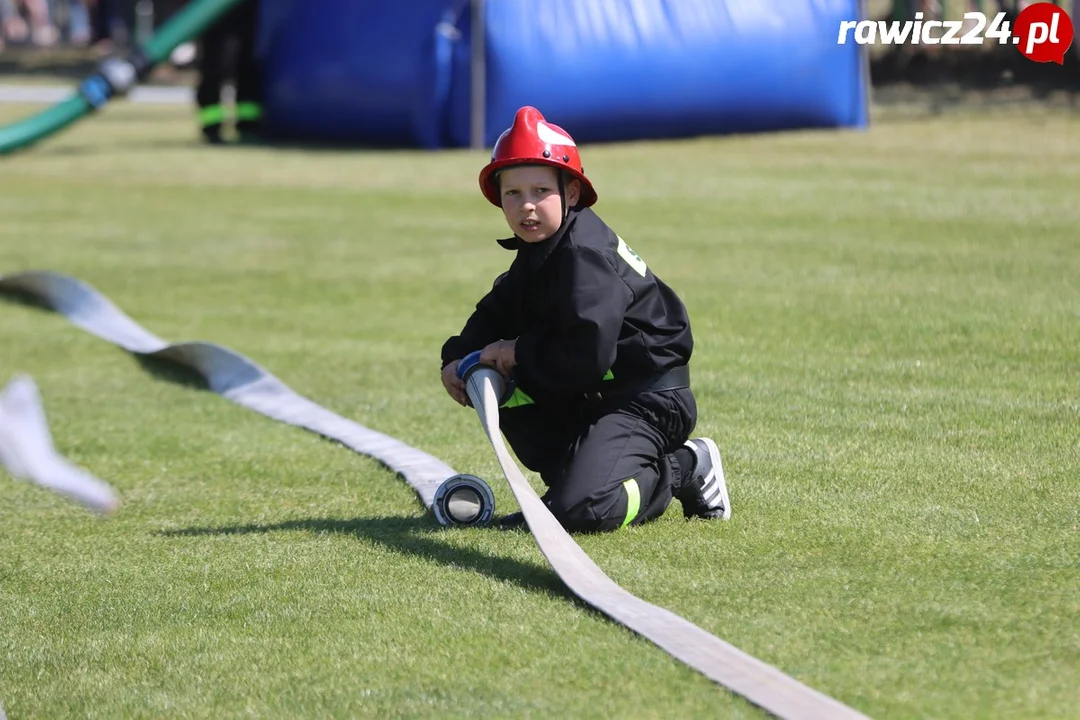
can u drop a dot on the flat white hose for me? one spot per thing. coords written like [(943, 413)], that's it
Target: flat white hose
[(27, 451), (245, 383), (759, 683), (229, 374)]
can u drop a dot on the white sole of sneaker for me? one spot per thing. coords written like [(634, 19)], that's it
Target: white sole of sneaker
[(718, 477)]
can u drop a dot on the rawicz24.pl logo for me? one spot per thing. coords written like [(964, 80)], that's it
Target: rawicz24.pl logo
[(1042, 31)]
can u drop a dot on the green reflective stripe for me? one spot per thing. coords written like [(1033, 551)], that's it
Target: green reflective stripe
[(609, 375), (211, 115), (248, 111), (517, 399), (633, 501)]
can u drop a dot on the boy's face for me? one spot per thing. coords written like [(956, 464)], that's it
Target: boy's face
[(531, 202)]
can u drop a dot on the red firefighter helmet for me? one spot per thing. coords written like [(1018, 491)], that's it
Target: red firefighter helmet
[(532, 140)]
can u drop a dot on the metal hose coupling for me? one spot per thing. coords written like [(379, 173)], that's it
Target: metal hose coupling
[(115, 77), (464, 500)]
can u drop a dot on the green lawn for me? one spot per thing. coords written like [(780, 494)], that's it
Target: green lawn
[(888, 353)]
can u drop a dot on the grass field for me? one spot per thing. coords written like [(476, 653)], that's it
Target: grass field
[(888, 353)]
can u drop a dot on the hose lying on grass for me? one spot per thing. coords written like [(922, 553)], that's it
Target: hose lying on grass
[(26, 450), (245, 383), (229, 374)]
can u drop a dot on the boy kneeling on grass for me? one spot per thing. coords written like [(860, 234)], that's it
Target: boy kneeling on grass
[(597, 345)]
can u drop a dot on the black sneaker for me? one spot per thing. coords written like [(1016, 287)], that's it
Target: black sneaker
[(249, 132), (512, 521), (705, 494), (211, 134)]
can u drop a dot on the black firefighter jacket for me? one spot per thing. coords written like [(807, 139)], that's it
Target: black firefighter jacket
[(583, 306)]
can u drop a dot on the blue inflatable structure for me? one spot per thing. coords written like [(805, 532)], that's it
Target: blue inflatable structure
[(451, 73)]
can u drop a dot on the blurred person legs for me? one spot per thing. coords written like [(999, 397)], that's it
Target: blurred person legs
[(43, 32), (108, 26), (78, 23), (212, 48), (248, 75), (227, 51), (12, 25)]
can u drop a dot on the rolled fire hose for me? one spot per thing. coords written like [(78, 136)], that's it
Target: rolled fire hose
[(245, 383)]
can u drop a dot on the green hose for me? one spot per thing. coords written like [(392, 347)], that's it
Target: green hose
[(115, 76)]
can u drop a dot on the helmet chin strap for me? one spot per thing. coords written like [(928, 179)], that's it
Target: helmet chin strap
[(562, 196)]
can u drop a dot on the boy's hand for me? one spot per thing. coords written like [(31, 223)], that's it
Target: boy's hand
[(454, 385), (502, 356)]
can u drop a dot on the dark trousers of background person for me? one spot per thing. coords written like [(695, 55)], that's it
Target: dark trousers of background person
[(107, 21), (606, 467), (227, 50)]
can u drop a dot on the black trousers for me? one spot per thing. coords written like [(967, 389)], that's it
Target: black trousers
[(239, 25), (605, 466)]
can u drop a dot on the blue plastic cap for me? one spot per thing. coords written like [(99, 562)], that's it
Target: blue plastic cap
[(471, 361), (468, 363)]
